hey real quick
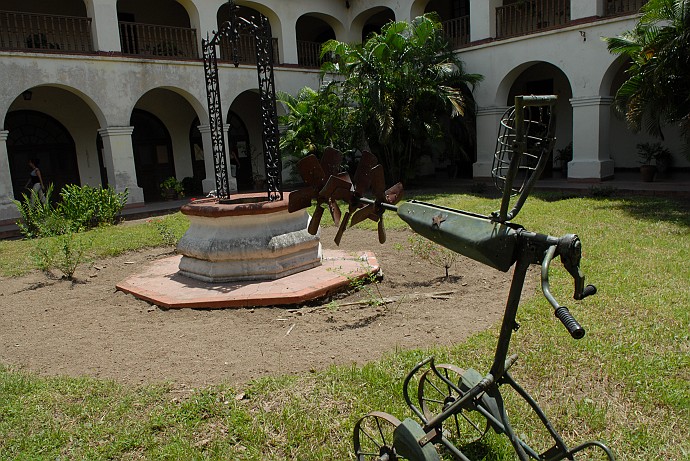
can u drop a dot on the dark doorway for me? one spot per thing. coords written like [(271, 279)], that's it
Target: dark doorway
[(196, 147), (241, 156), (153, 159), (35, 135)]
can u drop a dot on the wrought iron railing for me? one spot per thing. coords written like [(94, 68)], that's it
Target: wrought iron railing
[(531, 16), (309, 54), (457, 31), (156, 40), (620, 7), (45, 32), (246, 48)]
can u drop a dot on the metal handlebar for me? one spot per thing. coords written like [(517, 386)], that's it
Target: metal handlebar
[(569, 249)]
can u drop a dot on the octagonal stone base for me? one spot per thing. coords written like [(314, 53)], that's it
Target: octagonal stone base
[(246, 239)]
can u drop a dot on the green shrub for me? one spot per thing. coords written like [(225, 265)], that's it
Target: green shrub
[(63, 253), (34, 213), (88, 207), (80, 208)]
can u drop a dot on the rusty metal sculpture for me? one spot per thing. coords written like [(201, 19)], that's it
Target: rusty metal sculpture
[(457, 406)]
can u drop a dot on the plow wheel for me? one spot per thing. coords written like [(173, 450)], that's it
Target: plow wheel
[(435, 395), (373, 437)]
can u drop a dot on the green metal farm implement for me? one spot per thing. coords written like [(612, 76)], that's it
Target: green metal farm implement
[(456, 406)]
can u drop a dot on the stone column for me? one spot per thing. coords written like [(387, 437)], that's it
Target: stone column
[(586, 9), (288, 53), (8, 211), (483, 19), (488, 119), (104, 27), (209, 183), (119, 160), (591, 120)]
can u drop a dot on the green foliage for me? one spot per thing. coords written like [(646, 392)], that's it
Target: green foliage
[(86, 207), (657, 91), (36, 217), (80, 208), (317, 120), (171, 188), (433, 253), (653, 152), (64, 253), (410, 90)]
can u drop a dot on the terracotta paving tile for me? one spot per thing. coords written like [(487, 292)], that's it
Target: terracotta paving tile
[(160, 284)]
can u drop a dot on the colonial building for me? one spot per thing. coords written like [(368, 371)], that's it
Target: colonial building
[(107, 92)]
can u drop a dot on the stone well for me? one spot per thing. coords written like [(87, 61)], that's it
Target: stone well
[(247, 238)]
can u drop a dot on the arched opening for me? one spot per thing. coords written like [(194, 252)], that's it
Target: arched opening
[(156, 28), (455, 18), (152, 148), (193, 185), (241, 157), (376, 22), (312, 32), (247, 44), (542, 79), (35, 135)]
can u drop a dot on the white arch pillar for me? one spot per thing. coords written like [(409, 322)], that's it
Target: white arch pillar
[(104, 27), (118, 156), (591, 123), (587, 9), (8, 211), (488, 119), (483, 19)]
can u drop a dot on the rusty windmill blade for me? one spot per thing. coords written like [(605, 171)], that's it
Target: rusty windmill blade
[(361, 184), (392, 196), (300, 199), (329, 167), (331, 162), (378, 186), (374, 209), (311, 172), (337, 188)]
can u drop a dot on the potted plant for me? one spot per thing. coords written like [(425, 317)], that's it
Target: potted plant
[(171, 188), (652, 156), (664, 162), (563, 156)]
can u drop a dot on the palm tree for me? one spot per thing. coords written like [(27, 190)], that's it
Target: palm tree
[(657, 91), (315, 120), (406, 84)]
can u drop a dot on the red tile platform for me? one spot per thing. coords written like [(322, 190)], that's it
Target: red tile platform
[(161, 284)]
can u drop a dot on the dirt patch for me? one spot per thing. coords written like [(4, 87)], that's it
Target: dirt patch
[(56, 327)]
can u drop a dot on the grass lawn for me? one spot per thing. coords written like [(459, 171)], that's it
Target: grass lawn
[(626, 383)]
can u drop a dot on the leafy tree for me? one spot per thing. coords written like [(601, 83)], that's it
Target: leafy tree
[(657, 91), (317, 119), (410, 91)]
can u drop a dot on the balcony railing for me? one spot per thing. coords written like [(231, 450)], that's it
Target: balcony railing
[(309, 54), (246, 49), (457, 31), (154, 40), (531, 16), (44, 32), (621, 7)]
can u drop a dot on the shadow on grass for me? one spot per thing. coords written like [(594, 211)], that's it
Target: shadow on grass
[(653, 209)]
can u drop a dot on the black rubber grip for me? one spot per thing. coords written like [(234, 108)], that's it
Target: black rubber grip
[(589, 291), (567, 319)]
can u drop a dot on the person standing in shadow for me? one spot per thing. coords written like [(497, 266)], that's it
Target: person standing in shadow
[(35, 181)]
